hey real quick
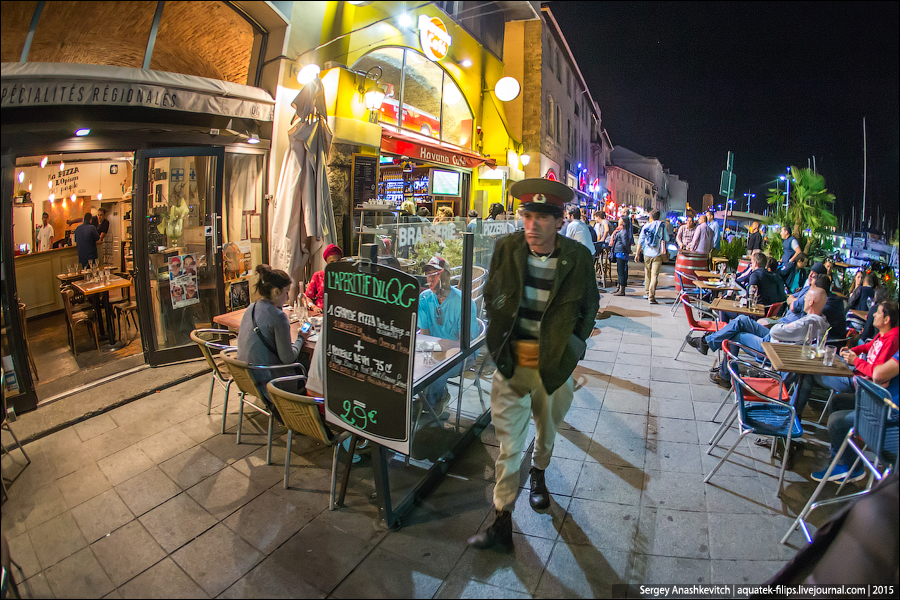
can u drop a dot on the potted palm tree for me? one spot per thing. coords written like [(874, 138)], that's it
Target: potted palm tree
[(808, 206)]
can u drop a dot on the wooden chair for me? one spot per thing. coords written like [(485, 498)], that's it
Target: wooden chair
[(210, 341), (73, 319), (24, 321), (301, 414), (247, 378), (126, 307)]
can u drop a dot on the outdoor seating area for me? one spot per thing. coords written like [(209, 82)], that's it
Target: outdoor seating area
[(140, 497)]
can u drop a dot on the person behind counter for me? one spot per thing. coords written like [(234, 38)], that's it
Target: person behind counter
[(45, 234), (86, 237), (265, 334), (440, 315), (102, 224), (315, 291)]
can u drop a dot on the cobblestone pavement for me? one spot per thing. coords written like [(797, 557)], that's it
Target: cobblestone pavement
[(151, 500)]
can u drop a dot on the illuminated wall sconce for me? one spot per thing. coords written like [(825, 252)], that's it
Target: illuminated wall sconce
[(525, 160), (507, 88), (308, 73), (371, 94)]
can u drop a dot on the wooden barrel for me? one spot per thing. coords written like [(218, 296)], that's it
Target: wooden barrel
[(689, 263)]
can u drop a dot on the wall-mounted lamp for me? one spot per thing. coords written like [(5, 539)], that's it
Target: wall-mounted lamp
[(506, 89), (525, 160), (308, 73), (466, 63), (371, 94)]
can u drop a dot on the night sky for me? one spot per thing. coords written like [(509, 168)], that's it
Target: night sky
[(775, 83)]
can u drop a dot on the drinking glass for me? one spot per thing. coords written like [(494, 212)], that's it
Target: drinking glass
[(829, 356)]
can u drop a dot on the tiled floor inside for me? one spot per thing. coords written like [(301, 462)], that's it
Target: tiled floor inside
[(152, 500)]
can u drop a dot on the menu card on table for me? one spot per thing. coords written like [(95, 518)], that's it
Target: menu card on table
[(369, 329)]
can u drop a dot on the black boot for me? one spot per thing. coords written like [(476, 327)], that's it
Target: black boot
[(500, 532), (540, 496)]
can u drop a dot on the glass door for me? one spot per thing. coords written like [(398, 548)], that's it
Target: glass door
[(177, 248)]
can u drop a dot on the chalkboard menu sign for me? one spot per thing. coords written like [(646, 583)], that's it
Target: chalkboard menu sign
[(365, 178), (369, 329)]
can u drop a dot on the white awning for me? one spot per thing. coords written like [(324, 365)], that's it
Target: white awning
[(67, 84)]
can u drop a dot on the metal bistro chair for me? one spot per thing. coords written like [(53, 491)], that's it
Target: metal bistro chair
[(768, 416), (710, 326), (74, 319), (301, 414), (482, 326), (243, 375), (773, 311), (685, 292), (215, 340), (875, 425), (5, 425), (771, 385)]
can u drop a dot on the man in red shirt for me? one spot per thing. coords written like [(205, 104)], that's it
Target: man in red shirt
[(862, 358), (315, 291)]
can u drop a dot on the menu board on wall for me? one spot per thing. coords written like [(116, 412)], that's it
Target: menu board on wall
[(365, 178), (369, 329)]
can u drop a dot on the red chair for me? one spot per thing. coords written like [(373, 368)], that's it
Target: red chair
[(710, 326), (774, 310)]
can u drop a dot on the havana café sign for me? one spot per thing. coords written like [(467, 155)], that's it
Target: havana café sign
[(433, 38), (392, 145)]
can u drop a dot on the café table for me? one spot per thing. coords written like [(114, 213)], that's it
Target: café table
[(708, 274), (718, 259), (861, 314), (102, 291), (70, 277), (232, 322), (721, 305), (717, 287)]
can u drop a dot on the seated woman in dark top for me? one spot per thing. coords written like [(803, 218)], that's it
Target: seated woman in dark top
[(265, 336), (861, 299)]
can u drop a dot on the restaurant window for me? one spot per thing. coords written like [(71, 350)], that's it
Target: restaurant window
[(549, 117), (242, 220), (206, 39), (97, 33), (433, 104)]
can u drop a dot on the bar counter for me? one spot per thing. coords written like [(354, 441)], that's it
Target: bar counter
[(36, 280)]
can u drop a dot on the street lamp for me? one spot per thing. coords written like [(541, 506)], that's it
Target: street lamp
[(748, 196)]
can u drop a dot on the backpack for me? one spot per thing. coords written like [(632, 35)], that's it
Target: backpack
[(657, 236), (593, 234)]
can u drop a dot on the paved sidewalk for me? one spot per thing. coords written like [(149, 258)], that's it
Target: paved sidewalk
[(151, 500)]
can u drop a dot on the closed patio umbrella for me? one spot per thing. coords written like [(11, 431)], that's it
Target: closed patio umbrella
[(302, 216)]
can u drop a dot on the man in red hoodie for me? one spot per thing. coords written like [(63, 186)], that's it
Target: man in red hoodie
[(862, 358)]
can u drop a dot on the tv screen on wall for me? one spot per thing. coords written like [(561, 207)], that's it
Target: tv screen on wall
[(444, 183)]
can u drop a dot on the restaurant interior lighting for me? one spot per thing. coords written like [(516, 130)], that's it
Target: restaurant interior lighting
[(62, 165), (82, 131), (73, 197), (50, 184), (44, 161), (21, 176), (507, 88), (52, 197), (253, 139), (308, 73), (29, 186)]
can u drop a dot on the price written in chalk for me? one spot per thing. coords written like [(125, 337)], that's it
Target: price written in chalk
[(355, 414)]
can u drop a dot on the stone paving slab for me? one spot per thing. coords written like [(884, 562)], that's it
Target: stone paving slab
[(150, 499)]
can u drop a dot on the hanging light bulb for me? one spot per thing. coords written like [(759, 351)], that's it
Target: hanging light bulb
[(21, 176), (62, 165), (50, 184), (52, 197), (44, 161), (29, 186), (99, 196), (73, 197)]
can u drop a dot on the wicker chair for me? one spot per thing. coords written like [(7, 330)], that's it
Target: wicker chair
[(215, 340), (248, 377), (301, 414)]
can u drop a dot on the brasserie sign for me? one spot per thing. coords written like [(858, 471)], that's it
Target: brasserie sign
[(76, 92)]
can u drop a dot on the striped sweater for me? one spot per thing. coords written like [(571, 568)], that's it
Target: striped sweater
[(539, 278)]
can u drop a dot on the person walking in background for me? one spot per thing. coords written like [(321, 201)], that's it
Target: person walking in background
[(620, 249), (790, 254), (714, 227), (754, 240), (536, 340), (685, 234), (702, 241), (601, 226), (652, 243), (577, 229)]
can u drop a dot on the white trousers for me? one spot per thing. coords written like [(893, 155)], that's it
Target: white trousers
[(513, 401)]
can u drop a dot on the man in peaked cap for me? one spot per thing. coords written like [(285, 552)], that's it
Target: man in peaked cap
[(542, 300)]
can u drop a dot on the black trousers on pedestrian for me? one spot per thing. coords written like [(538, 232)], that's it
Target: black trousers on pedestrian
[(622, 269)]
